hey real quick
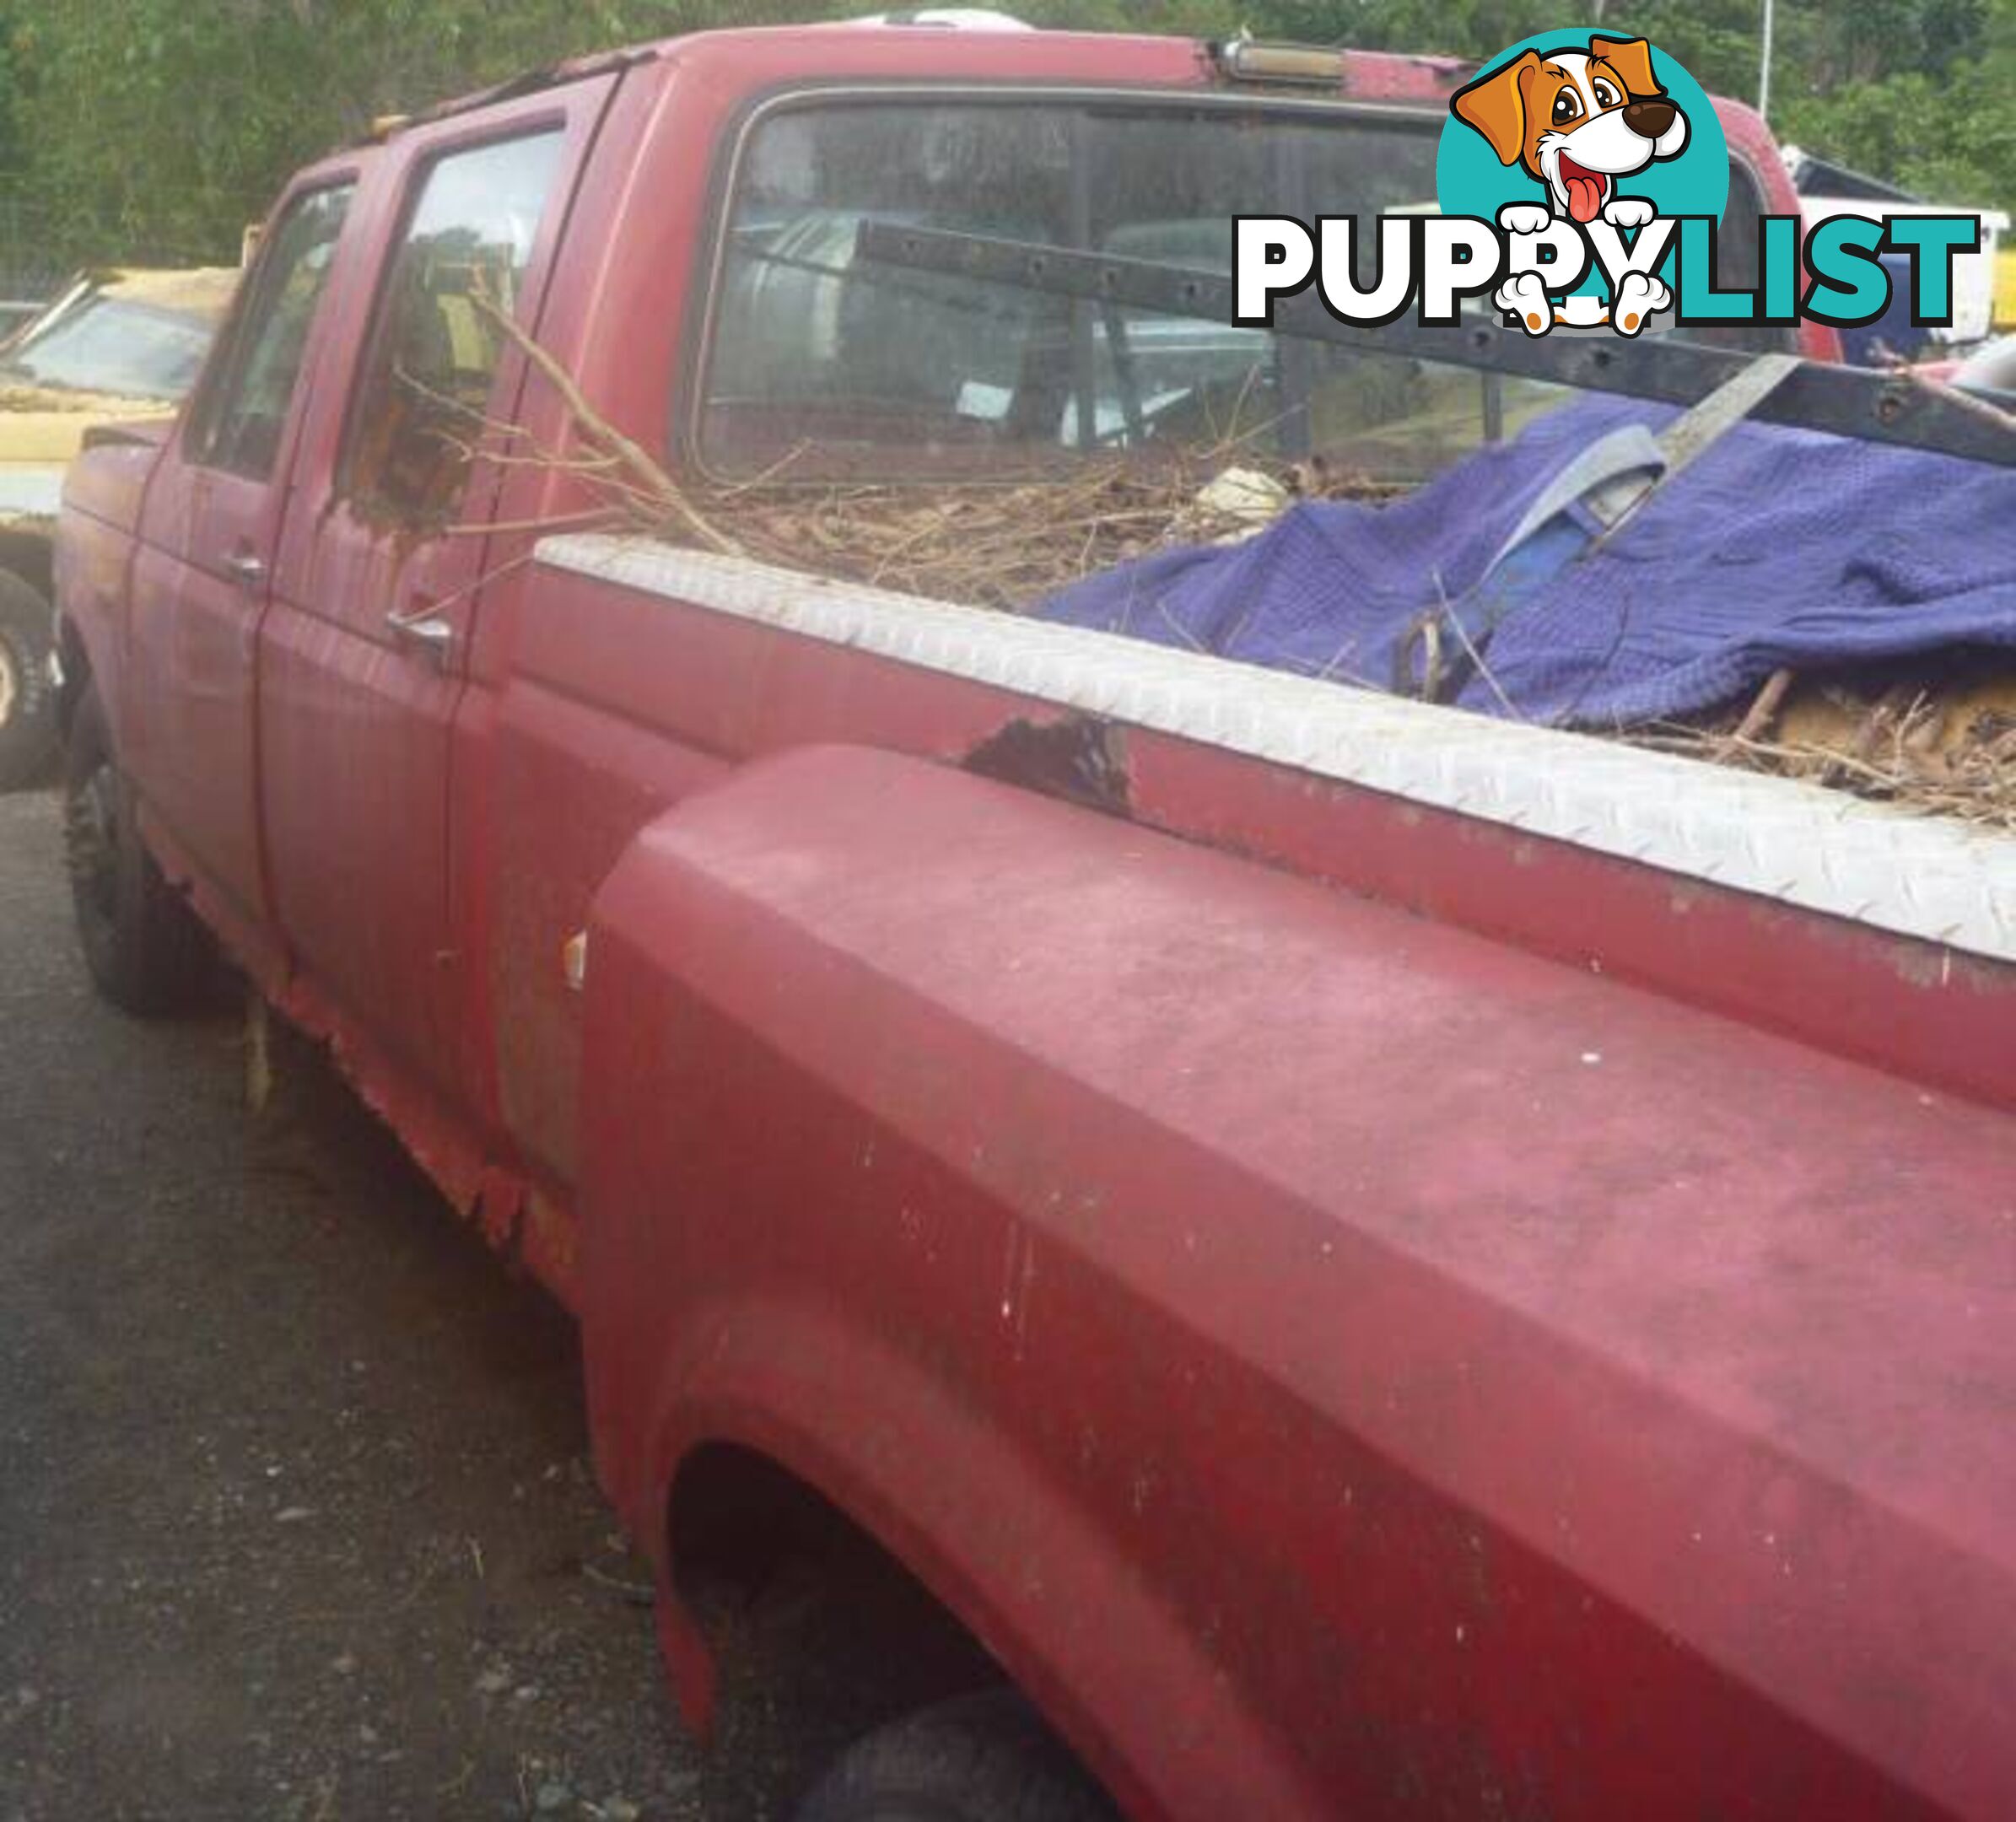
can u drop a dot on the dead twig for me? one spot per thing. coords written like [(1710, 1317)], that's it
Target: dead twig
[(1475, 656), (1974, 407), (637, 1593), (652, 482), (1975, 781), (1762, 712)]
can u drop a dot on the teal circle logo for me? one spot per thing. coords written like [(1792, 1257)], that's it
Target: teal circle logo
[(1584, 127)]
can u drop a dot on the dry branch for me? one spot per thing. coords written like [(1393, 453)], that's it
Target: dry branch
[(1933, 754), (650, 482)]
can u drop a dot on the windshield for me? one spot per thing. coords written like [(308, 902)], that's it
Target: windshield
[(114, 346), (830, 362)]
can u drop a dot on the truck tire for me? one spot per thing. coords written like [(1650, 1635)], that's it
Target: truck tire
[(28, 741), (143, 943), (984, 1758)]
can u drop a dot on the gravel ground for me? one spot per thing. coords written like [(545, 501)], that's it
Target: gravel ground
[(295, 1515)]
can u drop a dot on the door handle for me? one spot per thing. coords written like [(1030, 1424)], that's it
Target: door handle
[(426, 633), (245, 569)]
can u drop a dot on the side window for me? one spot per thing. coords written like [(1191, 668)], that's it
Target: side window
[(236, 421), (435, 347)]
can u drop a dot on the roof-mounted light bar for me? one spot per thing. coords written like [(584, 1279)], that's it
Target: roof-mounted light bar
[(1246, 59), (948, 18)]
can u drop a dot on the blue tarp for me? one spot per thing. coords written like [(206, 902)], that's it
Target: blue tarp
[(1776, 548)]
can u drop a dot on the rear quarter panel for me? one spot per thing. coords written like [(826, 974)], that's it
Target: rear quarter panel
[(1340, 1365)]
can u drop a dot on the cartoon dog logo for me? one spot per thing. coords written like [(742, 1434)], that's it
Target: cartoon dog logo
[(1577, 121)]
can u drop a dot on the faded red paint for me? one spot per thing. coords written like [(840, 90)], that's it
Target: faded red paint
[(1466, 1357), (1363, 1311)]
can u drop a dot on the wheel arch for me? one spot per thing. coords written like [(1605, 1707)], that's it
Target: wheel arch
[(771, 1494), (29, 551), (1001, 1552), (75, 672), (779, 1296), (33, 717)]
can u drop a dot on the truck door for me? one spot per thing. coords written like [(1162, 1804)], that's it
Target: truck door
[(364, 653), (207, 538)]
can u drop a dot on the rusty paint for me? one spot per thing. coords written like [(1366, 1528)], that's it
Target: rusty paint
[(1081, 758), (548, 1245)]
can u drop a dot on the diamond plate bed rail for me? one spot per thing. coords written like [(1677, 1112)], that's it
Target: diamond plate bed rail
[(1779, 839)]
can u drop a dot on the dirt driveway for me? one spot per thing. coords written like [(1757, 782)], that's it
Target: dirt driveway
[(294, 1516)]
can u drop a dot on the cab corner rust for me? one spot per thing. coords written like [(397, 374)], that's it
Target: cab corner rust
[(1078, 757)]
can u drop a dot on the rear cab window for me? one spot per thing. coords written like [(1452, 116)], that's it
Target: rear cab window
[(826, 363)]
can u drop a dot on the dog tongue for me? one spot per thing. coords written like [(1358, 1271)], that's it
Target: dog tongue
[(1585, 197)]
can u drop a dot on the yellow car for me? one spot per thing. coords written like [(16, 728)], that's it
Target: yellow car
[(113, 346)]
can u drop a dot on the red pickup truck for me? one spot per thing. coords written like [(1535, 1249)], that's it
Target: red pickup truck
[(1368, 1261)]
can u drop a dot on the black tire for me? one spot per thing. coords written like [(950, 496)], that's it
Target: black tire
[(984, 1758), (146, 952), (28, 732)]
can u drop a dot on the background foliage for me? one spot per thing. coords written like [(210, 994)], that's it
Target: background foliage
[(157, 128)]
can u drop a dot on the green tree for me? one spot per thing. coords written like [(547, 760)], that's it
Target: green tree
[(158, 127), (1939, 118), (1921, 92)]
